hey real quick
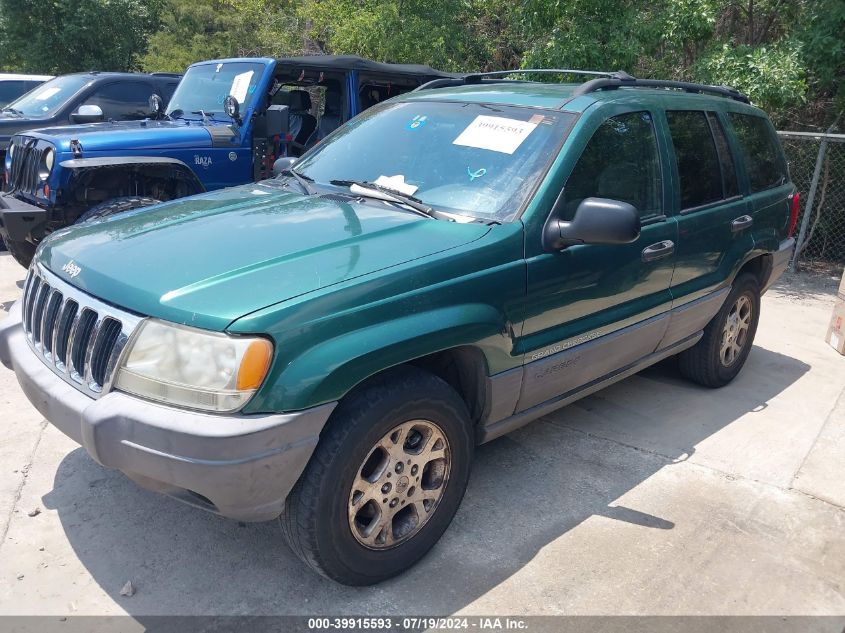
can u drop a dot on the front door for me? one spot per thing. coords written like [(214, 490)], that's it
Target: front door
[(592, 309)]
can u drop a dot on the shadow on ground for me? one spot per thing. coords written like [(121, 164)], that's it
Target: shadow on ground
[(527, 489)]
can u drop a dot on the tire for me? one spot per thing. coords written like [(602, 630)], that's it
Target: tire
[(709, 362), (116, 205), (318, 521), (21, 251)]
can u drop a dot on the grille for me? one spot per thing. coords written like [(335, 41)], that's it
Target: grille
[(25, 161), (77, 336)]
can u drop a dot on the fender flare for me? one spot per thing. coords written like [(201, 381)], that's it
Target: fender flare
[(106, 162), (329, 370)]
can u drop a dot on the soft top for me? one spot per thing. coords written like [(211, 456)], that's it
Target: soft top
[(353, 62)]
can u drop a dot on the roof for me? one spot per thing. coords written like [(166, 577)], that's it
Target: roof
[(353, 62), (525, 93), (556, 96), (340, 63), (19, 77)]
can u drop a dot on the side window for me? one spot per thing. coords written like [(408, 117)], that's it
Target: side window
[(730, 184), (760, 151), (123, 101), (620, 162), (11, 90), (167, 90), (699, 170)]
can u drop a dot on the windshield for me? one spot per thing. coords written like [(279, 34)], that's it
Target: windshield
[(466, 158), (204, 87), (50, 96)]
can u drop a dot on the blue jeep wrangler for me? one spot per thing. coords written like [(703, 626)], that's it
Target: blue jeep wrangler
[(226, 124)]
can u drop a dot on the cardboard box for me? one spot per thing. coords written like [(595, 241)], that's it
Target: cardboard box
[(836, 330)]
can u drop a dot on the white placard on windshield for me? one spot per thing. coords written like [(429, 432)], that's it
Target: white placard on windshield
[(46, 93), (495, 133), (240, 85)]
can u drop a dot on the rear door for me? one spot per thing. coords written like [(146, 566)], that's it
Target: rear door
[(592, 309), (766, 178), (714, 224)]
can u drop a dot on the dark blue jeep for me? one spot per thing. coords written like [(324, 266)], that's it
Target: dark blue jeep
[(226, 124)]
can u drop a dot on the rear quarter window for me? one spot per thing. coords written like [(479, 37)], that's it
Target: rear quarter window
[(760, 151)]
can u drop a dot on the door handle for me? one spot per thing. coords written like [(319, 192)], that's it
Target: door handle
[(741, 223), (658, 251)]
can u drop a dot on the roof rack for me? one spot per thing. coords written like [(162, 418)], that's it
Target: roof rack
[(498, 76), (604, 81), (612, 83), (162, 74)]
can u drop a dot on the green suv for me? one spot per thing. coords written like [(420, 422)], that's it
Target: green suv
[(330, 345)]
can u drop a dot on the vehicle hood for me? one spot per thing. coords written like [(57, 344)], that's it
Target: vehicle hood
[(127, 135), (11, 125), (210, 259)]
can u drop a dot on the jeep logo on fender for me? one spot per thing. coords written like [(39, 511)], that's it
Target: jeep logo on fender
[(71, 269), (205, 161)]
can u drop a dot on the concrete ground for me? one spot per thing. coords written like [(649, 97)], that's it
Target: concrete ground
[(651, 497)]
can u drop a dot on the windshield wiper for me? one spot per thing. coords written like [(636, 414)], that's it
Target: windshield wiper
[(402, 198), (13, 111), (204, 114), (302, 179)]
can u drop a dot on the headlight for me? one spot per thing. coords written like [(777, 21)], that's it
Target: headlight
[(194, 368), (46, 165)]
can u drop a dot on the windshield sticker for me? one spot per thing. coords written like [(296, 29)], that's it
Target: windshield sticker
[(47, 93), (240, 85), (397, 183), (417, 122), (478, 173), (495, 133)]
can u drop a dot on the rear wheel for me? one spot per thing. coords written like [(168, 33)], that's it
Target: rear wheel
[(385, 480), (115, 206), (720, 354), (22, 251)]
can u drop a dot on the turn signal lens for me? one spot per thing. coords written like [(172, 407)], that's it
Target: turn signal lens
[(254, 365)]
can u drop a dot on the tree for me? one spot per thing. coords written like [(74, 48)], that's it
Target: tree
[(193, 30), (61, 36)]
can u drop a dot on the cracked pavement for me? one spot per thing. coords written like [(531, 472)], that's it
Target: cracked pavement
[(653, 496)]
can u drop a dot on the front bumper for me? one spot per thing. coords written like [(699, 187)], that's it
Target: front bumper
[(238, 466), (780, 261), (18, 218)]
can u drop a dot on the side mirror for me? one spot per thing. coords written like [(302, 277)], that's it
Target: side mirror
[(596, 221), (156, 105), (87, 114), (278, 121), (282, 164), (232, 108)]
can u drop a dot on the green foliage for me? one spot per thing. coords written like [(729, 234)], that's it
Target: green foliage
[(823, 37), (60, 36), (585, 34), (788, 55), (453, 34), (192, 30), (772, 76)]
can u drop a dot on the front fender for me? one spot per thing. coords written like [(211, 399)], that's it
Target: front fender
[(78, 166), (329, 370)]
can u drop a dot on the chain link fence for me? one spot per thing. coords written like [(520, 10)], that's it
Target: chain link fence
[(817, 166)]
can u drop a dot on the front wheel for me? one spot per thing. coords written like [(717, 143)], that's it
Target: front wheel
[(385, 480), (720, 354), (115, 206)]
